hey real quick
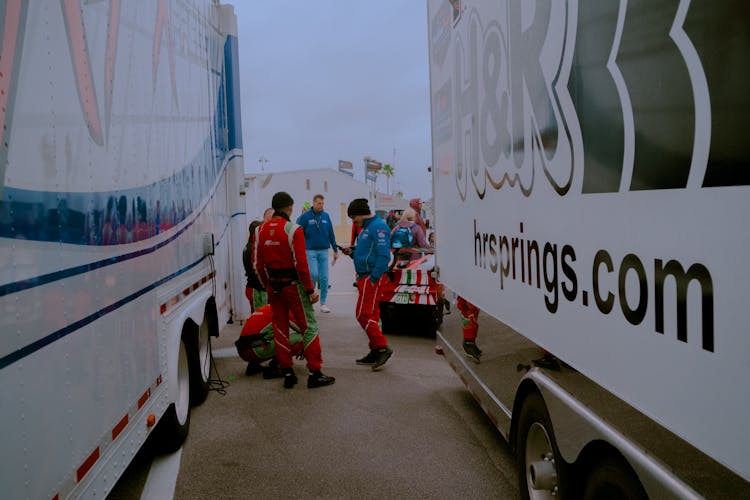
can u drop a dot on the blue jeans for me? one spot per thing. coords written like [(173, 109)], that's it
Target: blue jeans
[(317, 260)]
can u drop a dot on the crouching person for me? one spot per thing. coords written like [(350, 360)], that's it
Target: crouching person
[(256, 344)]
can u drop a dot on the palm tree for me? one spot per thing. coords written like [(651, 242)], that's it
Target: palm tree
[(388, 172)]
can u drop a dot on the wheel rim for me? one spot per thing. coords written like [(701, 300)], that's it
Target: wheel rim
[(182, 402), (538, 448), (204, 351)]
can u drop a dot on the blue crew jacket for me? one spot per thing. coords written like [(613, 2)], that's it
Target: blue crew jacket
[(373, 250), (318, 230)]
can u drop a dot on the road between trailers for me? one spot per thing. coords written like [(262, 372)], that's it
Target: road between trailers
[(409, 431)]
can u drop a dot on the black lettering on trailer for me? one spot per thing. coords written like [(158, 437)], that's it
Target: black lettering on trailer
[(682, 280), (568, 253), (631, 262), (550, 278), (661, 93), (719, 33), (601, 118), (604, 305)]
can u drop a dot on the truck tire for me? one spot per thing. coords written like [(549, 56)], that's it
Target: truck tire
[(174, 425), (199, 355), (612, 478), (540, 466)]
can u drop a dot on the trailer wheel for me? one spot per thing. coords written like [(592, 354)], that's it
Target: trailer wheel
[(200, 363), (612, 478), (173, 427), (539, 463)]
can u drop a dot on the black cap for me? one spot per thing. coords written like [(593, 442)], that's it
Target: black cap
[(281, 200), (358, 207)]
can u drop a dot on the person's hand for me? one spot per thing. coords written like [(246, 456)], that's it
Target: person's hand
[(314, 297), (347, 251), (335, 256)]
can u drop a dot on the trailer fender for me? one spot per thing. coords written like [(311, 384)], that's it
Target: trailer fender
[(577, 426), (175, 330)]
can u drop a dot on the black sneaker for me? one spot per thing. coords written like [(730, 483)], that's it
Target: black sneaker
[(383, 354), (290, 379), (272, 370), (472, 351), (319, 379), (369, 359), (253, 368)]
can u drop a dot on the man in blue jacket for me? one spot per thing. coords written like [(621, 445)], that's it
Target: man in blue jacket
[(319, 237), (371, 255)]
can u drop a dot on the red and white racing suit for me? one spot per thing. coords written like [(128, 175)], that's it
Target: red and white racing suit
[(371, 256), (256, 343), (368, 310), (280, 261), (469, 313)]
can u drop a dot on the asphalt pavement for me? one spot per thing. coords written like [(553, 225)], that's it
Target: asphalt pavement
[(410, 430)]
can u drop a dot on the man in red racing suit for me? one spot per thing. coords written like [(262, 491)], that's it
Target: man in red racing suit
[(280, 262)]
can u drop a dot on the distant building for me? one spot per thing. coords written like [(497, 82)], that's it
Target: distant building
[(387, 202), (338, 188)]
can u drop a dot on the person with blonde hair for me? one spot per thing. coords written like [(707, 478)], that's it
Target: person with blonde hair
[(416, 205), (407, 233)]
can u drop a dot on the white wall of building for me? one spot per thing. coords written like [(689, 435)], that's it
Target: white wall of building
[(338, 188)]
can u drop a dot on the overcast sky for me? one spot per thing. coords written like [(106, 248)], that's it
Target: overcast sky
[(329, 80)]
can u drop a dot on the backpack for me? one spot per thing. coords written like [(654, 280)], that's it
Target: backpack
[(402, 238)]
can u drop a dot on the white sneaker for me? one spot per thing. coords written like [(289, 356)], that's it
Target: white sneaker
[(324, 309)]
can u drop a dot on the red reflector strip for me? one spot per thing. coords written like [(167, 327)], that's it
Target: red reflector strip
[(86, 466), (163, 308), (144, 398), (119, 431), (119, 427)]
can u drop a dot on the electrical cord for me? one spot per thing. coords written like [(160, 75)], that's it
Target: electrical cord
[(217, 384)]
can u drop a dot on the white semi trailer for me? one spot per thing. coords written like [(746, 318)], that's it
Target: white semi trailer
[(591, 170), (120, 175)]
